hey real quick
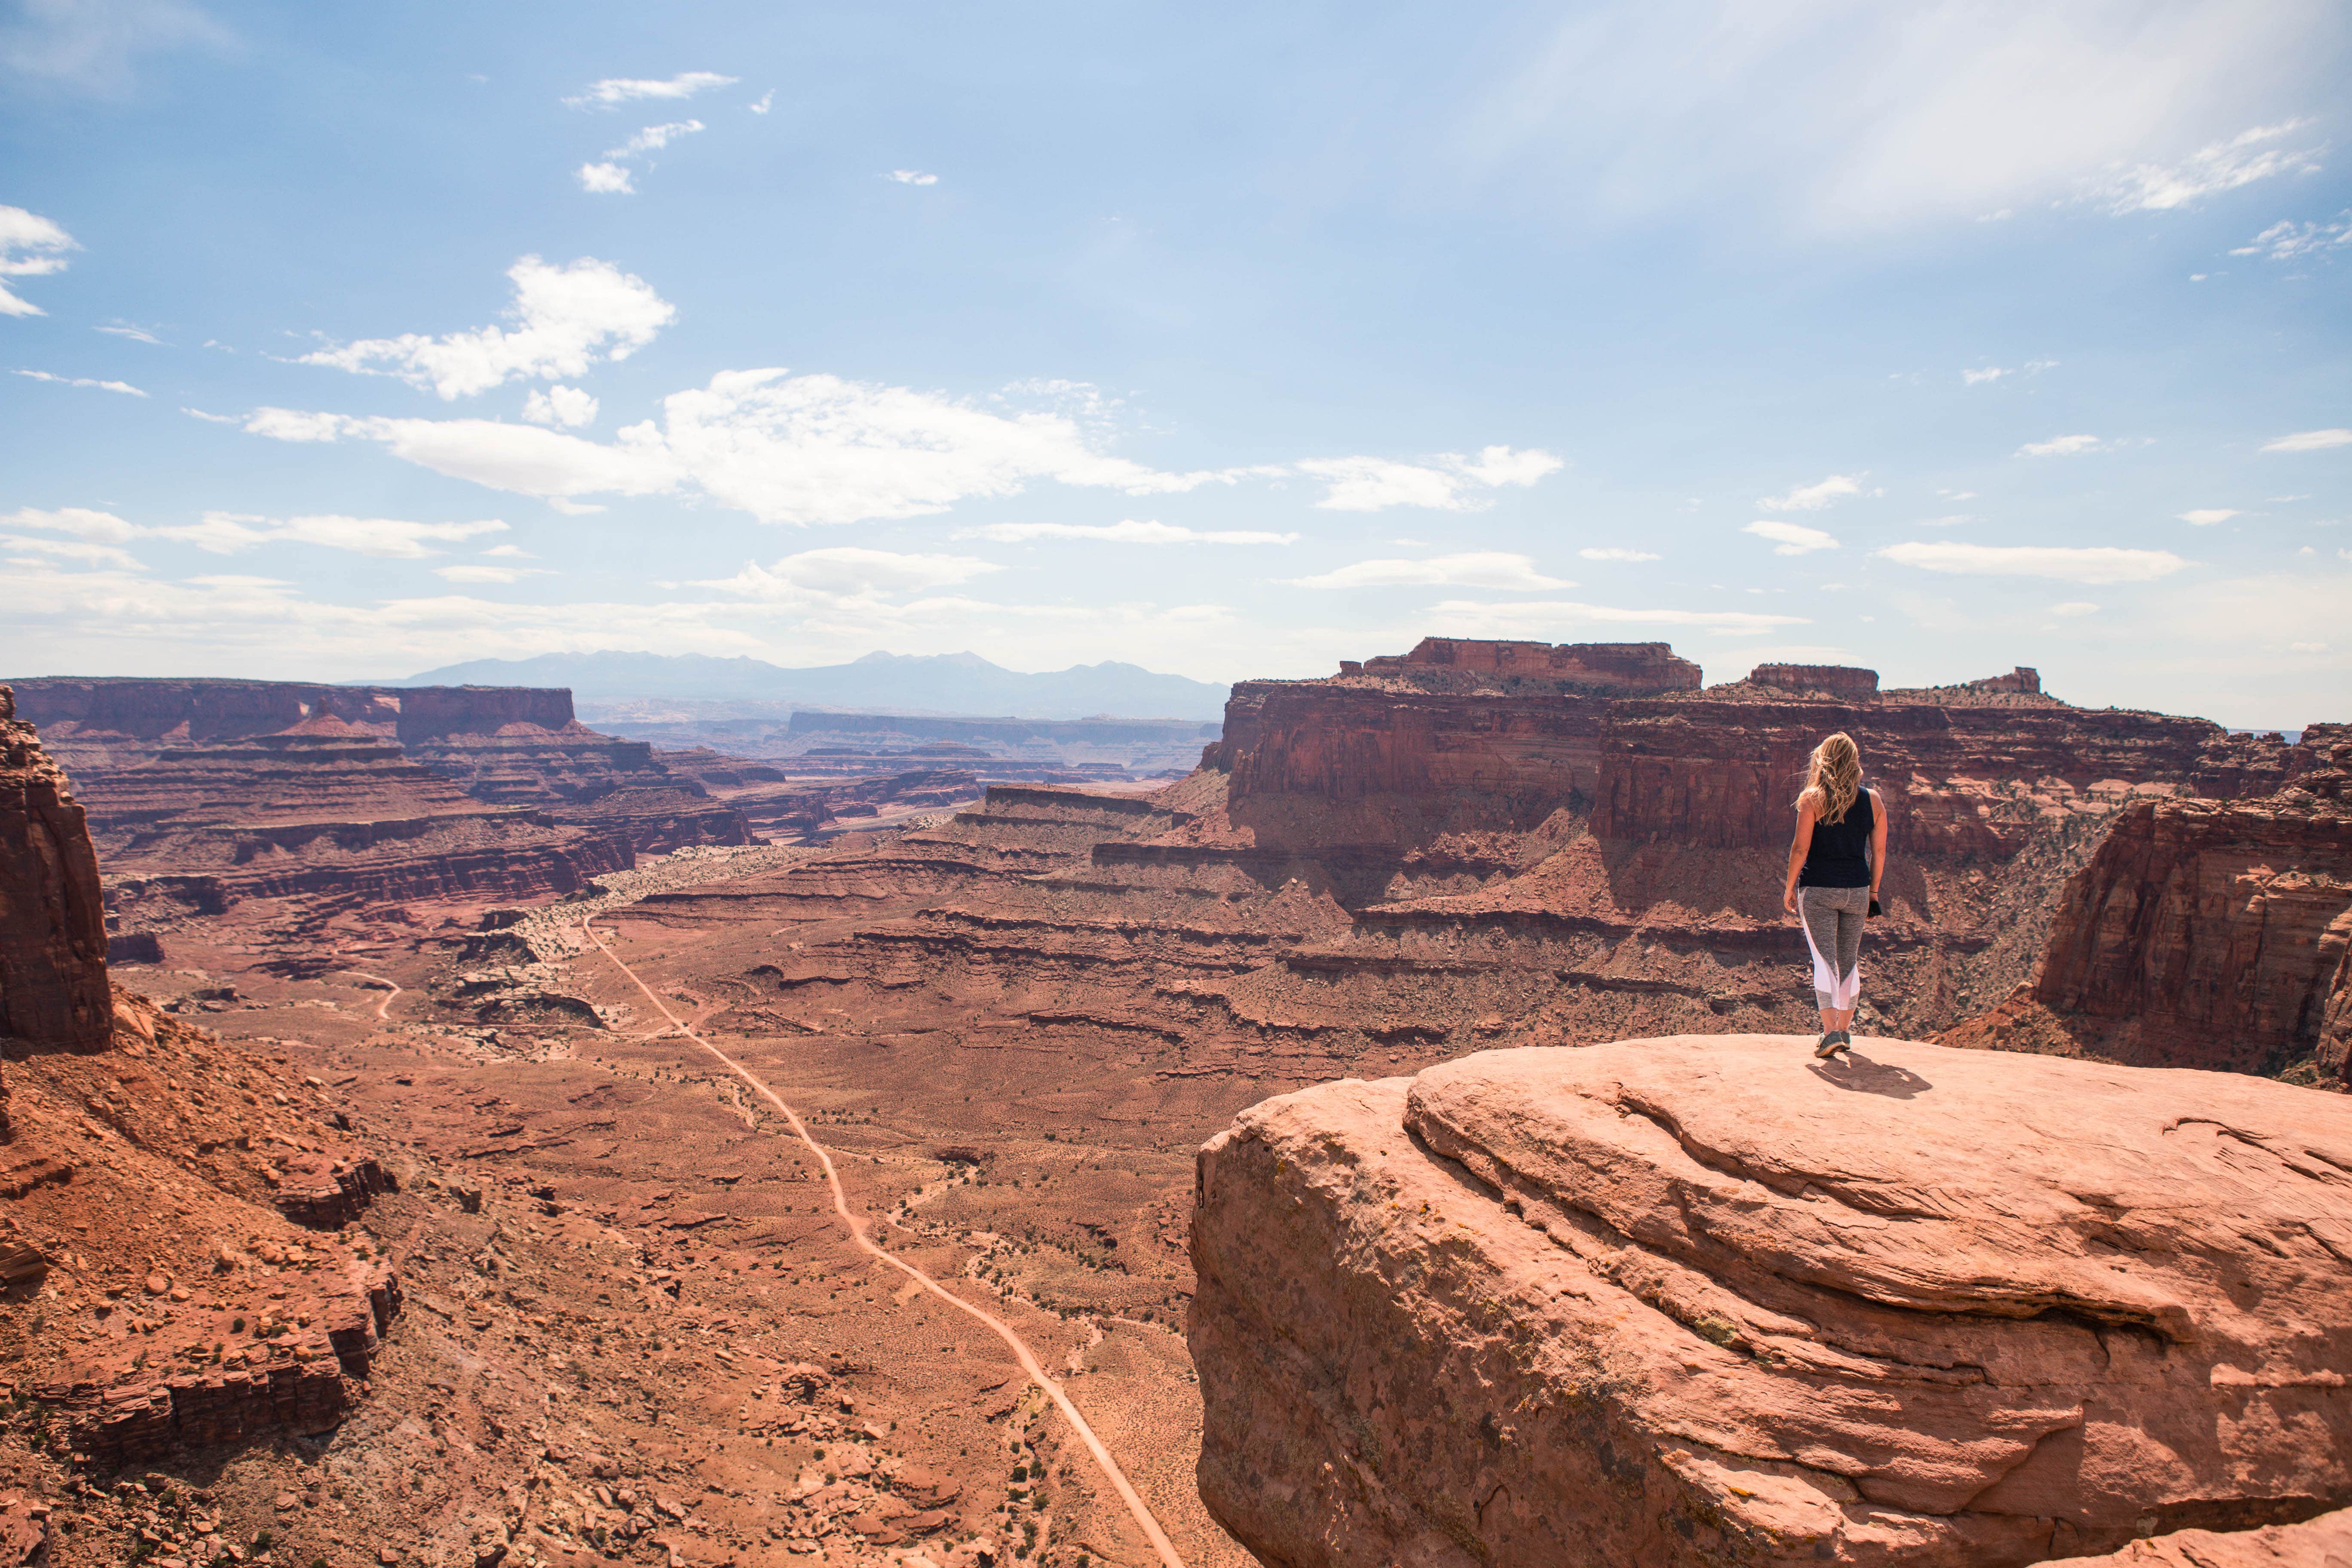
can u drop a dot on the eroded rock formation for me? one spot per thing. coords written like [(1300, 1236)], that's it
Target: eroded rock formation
[(2205, 933), (52, 916), (1701, 1301)]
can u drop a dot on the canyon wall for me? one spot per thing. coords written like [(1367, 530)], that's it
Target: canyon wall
[(2205, 933), (1688, 1302), (52, 918)]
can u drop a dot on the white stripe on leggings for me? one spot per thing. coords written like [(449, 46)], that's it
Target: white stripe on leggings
[(1843, 994)]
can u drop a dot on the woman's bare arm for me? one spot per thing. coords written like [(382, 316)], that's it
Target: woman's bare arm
[(1798, 848), (1877, 842)]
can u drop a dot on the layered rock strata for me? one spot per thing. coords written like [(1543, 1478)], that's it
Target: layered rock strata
[(2205, 933), (1700, 1300), (52, 915)]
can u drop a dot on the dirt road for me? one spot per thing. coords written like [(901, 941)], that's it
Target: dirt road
[(858, 1232)]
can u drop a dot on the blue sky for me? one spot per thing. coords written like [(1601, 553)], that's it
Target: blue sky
[(340, 343)]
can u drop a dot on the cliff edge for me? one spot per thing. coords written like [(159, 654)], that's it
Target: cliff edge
[(1702, 1301), (52, 912)]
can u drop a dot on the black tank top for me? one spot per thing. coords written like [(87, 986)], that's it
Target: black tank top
[(1839, 857)]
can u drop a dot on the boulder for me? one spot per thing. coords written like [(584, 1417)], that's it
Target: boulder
[(1704, 1301)]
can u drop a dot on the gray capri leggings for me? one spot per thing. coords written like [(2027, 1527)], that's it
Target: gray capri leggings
[(1833, 918)]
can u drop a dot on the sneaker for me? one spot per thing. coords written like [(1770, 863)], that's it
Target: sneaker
[(1829, 1046), (1844, 1040)]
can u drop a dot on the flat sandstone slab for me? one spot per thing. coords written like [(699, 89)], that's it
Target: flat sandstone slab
[(1703, 1300)]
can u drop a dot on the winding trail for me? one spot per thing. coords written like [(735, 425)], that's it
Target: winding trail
[(1136, 1506), (388, 995)]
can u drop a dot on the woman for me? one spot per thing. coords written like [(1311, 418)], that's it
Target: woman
[(1832, 886)]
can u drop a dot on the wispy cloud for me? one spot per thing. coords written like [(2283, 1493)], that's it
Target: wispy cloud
[(764, 103), (1984, 375), (1126, 532), (1616, 552), (226, 533), (2061, 446), (391, 539), (125, 330), (2251, 155), (1813, 497), (912, 177), (1447, 482), (1791, 538), (850, 572), (2285, 241), (2074, 607), (121, 386), (654, 138), (2310, 441), (30, 247), (92, 45), (474, 573), (2206, 516), (2098, 563), (211, 418), (1476, 569), (604, 179), (568, 319), (613, 91)]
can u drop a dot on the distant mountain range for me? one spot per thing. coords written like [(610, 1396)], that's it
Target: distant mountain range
[(963, 683)]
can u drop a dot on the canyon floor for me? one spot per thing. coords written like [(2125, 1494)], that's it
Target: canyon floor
[(636, 1328)]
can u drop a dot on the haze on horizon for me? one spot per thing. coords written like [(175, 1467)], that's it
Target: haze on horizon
[(336, 344)]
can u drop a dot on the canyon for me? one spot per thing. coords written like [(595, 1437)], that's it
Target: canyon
[(633, 1301)]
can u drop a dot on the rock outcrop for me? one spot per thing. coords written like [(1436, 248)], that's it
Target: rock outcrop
[(2205, 933), (1702, 1301), (52, 915)]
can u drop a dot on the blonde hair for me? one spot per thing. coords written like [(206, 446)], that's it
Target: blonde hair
[(1833, 777)]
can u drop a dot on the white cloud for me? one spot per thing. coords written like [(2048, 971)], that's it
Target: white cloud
[(2285, 241), (1457, 617), (2068, 564), (654, 138), (1813, 497), (1615, 553), (1955, 519), (121, 386), (292, 424), (1791, 538), (569, 319), (81, 522), (136, 334), (509, 552), (2308, 646), (2206, 516), (613, 91), (565, 406), (2310, 441), (1373, 484), (2060, 447), (605, 179), (1126, 532), (226, 533), (211, 418), (912, 177), (1476, 569), (1839, 115), (474, 574), (2241, 160), (767, 101), (1992, 373), (79, 550), (2074, 607), (848, 572)]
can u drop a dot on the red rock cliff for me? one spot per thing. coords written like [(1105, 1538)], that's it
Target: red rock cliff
[(52, 915), (2205, 933)]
